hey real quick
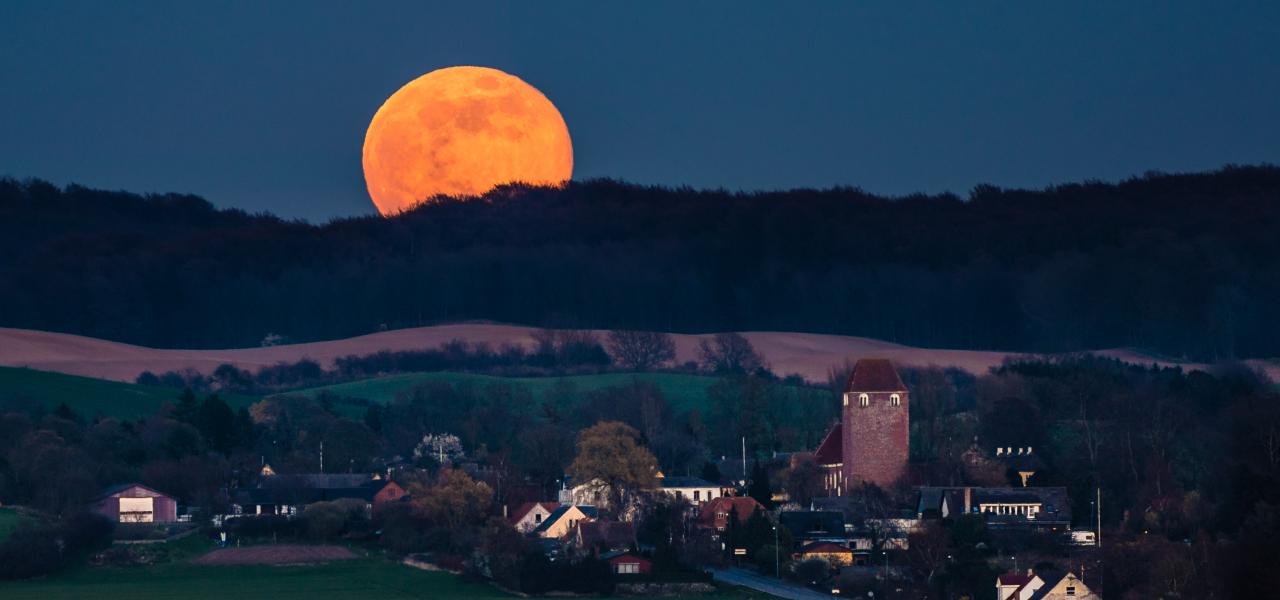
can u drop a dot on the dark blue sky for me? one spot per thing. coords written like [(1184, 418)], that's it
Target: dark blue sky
[(265, 107)]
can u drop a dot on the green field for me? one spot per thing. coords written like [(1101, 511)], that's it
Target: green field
[(370, 578), (363, 578), (682, 391), (88, 396)]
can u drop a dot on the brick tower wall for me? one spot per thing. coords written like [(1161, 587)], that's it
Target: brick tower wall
[(876, 436)]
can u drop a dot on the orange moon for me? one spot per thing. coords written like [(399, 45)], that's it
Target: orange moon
[(462, 131)]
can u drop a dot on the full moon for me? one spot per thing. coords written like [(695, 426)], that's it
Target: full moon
[(462, 131)]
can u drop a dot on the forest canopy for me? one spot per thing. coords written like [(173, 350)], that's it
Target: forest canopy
[(1181, 265)]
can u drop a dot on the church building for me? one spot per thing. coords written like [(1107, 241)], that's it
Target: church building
[(870, 444)]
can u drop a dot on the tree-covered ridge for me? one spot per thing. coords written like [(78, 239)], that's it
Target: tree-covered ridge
[(1183, 265)]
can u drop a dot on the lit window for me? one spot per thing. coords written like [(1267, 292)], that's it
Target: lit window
[(895, 400), (846, 399), (864, 399)]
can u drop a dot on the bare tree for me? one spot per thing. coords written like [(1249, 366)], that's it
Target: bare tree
[(927, 549), (729, 353), (641, 350), (804, 480)]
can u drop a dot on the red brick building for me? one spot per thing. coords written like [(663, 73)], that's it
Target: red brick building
[(871, 442), (715, 514)]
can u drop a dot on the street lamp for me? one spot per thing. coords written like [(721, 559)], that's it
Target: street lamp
[(777, 561)]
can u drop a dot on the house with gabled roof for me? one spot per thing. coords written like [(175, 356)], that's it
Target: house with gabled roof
[(530, 515), (716, 513), (835, 554), (135, 503), (1047, 585), (562, 521)]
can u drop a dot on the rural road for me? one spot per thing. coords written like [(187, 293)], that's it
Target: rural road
[(768, 585)]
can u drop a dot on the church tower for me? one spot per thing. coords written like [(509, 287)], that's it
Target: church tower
[(876, 425)]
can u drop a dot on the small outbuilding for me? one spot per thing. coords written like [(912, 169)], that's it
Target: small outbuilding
[(627, 563), (136, 503)]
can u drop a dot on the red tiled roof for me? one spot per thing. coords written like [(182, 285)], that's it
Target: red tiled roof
[(523, 509), (1018, 579), (823, 548), (874, 375), (831, 450), (745, 506)]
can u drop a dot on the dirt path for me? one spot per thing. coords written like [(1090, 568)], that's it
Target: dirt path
[(275, 554)]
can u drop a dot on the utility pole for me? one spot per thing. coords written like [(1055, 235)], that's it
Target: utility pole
[(321, 457), (744, 460), (1098, 533)]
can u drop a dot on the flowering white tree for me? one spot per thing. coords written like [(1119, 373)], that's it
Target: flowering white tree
[(439, 447)]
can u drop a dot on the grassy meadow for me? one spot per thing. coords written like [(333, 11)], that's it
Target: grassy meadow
[(20, 387), (682, 391), (175, 577)]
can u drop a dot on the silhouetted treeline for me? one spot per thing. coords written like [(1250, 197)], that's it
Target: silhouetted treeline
[(1184, 265), (555, 353)]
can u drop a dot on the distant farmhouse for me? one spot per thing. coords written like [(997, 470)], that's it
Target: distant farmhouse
[(136, 503), (287, 494)]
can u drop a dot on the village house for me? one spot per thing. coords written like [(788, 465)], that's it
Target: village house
[(1049, 585), (136, 503), (1035, 507), (596, 493), (530, 515), (691, 489), (716, 513), (563, 520), (627, 563), (289, 494), (831, 552)]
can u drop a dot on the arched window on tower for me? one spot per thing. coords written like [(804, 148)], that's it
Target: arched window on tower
[(895, 400), (864, 400), (846, 399)]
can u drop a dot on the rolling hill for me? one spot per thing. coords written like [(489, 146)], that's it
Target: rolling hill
[(89, 396), (807, 354)]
